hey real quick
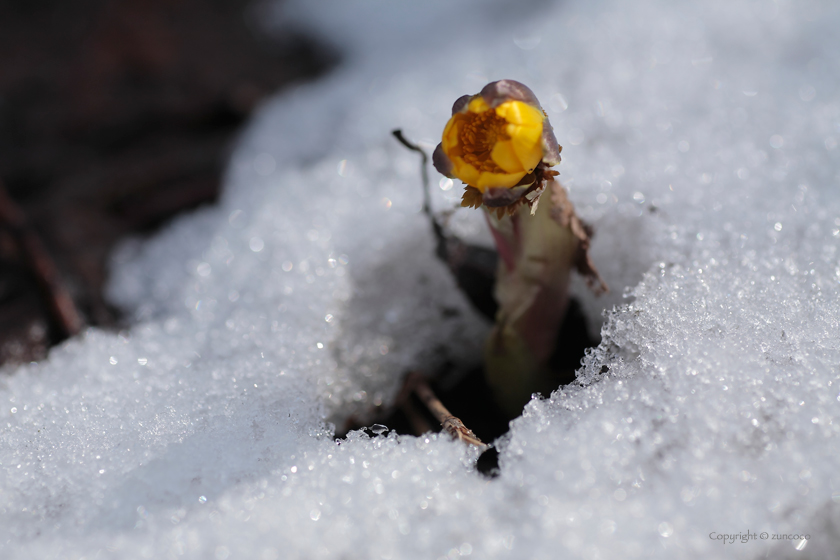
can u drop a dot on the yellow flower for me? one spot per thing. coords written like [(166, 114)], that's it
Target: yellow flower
[(496, 138)]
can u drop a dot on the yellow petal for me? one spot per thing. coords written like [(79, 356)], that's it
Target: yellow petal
[(504, 155), (517, 112), (464, 171), (450, 134), (487, 180), (526, 141), (477, 105)]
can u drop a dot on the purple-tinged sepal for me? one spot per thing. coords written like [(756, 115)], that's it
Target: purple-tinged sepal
[(441, 162), (496, 197), (460, 105), (551, 149), (496, 93)]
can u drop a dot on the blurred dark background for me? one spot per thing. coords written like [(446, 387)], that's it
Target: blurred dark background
[(115, 115)]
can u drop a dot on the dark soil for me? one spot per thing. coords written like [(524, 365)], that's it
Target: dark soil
[(116, 115)]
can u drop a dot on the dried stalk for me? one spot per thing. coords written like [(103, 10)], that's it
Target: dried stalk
[(441, 239), (451, 424), (65, 315)]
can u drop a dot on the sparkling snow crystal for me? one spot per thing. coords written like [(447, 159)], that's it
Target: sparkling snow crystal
[(701, 141)]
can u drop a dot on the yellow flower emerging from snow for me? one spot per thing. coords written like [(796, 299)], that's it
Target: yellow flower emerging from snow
[(496, 139)]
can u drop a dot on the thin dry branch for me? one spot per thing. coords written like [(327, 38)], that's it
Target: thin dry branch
[(450, 423), (64, 313), (437, 228)]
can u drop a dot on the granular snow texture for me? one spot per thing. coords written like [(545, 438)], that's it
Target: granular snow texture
[(701, 141)]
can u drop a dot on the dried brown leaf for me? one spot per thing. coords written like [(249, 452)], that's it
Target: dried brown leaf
[(472, 198), (563, 212)]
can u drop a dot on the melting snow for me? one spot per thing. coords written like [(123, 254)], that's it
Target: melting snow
[(700, 139)]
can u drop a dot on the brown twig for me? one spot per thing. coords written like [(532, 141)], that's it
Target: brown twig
[(424, 172), (59, 302), (441, 238), (450, 423)]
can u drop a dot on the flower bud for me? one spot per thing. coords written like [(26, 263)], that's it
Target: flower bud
[(497, 139)]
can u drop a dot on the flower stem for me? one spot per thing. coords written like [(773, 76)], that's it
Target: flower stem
[(538, 253)]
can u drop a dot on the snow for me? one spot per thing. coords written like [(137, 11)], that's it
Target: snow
[(701, 141)]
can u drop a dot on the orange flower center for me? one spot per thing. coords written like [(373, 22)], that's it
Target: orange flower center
[(477, 136)]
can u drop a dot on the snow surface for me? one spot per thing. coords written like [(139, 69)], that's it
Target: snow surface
[(701, 140)]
